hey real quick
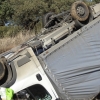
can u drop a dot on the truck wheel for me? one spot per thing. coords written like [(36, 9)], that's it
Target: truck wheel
[(80, 11), (79, 24), (46, 18), (5, 72), (2, 69)]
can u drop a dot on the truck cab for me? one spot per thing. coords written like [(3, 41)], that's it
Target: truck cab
[(30, 82)]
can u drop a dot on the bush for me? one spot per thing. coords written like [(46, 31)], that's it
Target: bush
[(6, 31)]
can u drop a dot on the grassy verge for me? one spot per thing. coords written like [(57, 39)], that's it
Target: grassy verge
[(9, 42)]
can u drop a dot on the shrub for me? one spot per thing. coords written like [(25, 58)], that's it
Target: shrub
[(6, 31)]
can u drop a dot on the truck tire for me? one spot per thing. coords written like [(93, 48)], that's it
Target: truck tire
[(5, 72), (79, 24), (2, 69), (80, 11), (46, 18)]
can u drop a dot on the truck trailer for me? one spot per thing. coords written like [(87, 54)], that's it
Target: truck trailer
[(62, 62)]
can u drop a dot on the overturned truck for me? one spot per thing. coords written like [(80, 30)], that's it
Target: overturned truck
[(60, 63)]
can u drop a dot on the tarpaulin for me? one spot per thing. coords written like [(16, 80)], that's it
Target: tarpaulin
[(75, 66)]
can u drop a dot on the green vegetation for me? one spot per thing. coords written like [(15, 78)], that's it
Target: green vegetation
[(24, 13), (6, 12), (96, 1), (10, 31)]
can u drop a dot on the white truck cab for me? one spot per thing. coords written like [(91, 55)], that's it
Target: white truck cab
[(31, 77)]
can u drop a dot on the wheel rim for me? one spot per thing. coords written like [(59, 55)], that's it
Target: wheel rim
[(80, 11)]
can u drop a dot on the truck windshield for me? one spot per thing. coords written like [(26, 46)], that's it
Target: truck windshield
[(36, 92)]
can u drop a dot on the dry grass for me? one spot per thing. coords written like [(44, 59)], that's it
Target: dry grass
[(8, 42)]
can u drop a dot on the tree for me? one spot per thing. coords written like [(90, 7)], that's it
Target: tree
[(6, 11), (59, 5), (27, 11), (97, 1)]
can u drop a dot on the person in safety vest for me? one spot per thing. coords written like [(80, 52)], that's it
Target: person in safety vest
[(6, 93)]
